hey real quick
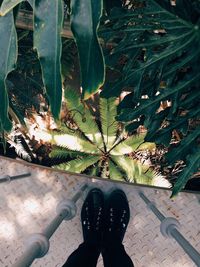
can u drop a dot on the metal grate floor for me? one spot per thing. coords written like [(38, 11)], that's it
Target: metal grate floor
[(28, 205)]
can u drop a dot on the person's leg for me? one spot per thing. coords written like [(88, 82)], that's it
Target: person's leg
[(85, 255), (92, 218), (114, 255), (116, 221)]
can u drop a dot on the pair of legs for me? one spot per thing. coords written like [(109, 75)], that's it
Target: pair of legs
[(104, 224)]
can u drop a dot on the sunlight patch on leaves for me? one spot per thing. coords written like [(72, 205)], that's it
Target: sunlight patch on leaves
[(74, 143), (135, 171), (82, 116), (109, 125), (132, 144), (78, 165)]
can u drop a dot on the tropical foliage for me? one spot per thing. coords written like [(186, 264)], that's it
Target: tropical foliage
[(159, 47), (152, 53), (99, 145), (48, 21)]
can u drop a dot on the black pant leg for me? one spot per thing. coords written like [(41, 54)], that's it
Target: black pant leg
[(86, 255), (114, 255)]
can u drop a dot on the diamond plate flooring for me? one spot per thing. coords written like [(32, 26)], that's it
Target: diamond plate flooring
[(28, 205)]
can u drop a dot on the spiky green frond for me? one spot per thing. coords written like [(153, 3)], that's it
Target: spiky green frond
[(63, 153), (113, 164), (145, 177), (109, 125), (132, 144), (74, 143), (135, 170), (82, 116), (78, 165), (115, 173)]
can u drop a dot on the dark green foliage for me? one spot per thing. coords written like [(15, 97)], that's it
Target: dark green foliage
[(48, 22), (157, 56), (8, 48), (85, 16)]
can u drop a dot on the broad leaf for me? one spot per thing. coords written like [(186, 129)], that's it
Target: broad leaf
[(8, 5), (165, 94), (8, 48), (31, 3), (193, 164), (85, 16), (48, 20), (184, 148)]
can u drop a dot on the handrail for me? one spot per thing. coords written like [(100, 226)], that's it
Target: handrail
[(168, 228), (8, 178), (38, 243)]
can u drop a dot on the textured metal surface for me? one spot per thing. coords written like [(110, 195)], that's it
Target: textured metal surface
[(28, 205)]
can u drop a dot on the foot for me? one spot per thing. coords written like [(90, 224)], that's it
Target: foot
[(117, 217), (92, 216)]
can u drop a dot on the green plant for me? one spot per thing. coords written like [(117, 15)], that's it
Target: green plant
[(99, 146), (153, 52), (47, 27), (158, 46)]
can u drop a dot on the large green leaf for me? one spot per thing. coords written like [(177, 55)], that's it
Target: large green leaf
[(164, 94), (185, 147), (85, 16), (31, 3), (109, 125), (8, 48), (48, 20), (8, 5), (163, 135), (168, 39), (78, 165), (193, 164)]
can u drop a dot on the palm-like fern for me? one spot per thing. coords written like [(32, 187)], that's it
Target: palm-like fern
[(96, 145)]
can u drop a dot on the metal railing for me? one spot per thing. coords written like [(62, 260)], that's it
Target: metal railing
[(8, 178), (38, 243), (168, 228)]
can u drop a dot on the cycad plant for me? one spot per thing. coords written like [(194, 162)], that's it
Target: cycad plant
[(98, 145)]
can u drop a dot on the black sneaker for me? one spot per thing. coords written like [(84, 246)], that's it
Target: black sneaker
[(92, 216), (117, 217)]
